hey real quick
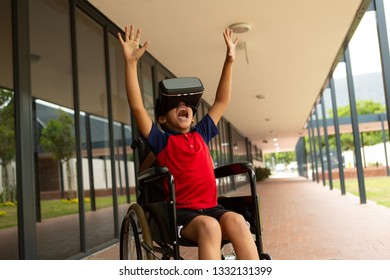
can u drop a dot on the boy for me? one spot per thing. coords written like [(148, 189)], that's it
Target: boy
[(199, 217)]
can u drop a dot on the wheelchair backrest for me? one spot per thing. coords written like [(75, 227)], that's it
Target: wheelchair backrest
[(147, 192)]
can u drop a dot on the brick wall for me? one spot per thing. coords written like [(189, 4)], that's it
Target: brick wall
[(351, 172)]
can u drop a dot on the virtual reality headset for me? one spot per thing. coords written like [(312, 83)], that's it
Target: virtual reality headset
[(173, 91)]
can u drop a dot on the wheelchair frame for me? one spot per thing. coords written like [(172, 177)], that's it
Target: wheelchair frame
[(136, 233)]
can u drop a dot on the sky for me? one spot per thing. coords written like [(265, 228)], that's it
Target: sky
[(364, 47)]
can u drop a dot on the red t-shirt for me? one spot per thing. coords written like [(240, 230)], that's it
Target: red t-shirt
[(188, 159)]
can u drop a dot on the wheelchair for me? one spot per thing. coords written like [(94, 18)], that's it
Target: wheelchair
[(149, 229)]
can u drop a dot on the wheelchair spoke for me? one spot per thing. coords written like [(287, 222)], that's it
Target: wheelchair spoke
[(134, 232), (227, 252)]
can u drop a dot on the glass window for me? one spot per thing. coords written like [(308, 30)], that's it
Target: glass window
[(344, 113), (225, 145), (51, 82), (8, 209), (331, 130), (365, 61), (98, 186), (368, 85), (368, 81), (386, 5), (122, 127), (147, 86), (6, 76), (50, 70), (319, 133), (239, 154)]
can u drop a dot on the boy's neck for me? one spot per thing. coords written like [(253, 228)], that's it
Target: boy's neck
[(175, 131)]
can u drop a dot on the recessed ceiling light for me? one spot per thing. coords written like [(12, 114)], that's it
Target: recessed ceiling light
[(34, 58), (240, 27), (261, 96)]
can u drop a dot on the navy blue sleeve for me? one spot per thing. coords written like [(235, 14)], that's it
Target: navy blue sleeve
[(157, 140), (207, 128)]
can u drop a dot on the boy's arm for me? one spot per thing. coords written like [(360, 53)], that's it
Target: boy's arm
[(132, 53), (222, 96)]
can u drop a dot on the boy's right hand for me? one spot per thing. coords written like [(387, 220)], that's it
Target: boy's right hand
[(131, 43)]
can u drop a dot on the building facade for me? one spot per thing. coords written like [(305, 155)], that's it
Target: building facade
[(68, 171)]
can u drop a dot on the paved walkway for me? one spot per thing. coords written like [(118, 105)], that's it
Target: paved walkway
[(303, 220)]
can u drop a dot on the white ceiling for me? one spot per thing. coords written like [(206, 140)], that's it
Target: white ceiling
[(290, 49)]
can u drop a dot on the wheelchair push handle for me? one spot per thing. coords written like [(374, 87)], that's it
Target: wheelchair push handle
[(233, 169)]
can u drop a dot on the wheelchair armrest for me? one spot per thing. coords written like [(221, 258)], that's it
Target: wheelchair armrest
[(157, 173), (154, 173), (233, 169)]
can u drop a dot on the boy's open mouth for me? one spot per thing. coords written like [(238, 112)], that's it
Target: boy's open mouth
[(182, 113)]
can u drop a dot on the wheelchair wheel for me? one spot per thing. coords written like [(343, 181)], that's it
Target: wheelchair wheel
[(135, 235), (228, 253)]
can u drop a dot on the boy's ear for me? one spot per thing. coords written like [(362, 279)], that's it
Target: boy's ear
[(162, 119)]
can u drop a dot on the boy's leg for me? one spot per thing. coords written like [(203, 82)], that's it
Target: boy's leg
[(235, 229), (205, 231)]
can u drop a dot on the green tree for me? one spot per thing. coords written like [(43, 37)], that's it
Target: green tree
[(58, 139), (363, 107), (7, 141), (280, 157)]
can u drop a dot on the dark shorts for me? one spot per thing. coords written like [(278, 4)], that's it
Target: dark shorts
[(185, 216)]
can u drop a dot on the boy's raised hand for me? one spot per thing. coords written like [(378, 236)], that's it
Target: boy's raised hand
[(131, 43), (230, 44)]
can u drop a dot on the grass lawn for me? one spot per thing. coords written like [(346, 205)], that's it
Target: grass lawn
[(54, 208), (377, 189)]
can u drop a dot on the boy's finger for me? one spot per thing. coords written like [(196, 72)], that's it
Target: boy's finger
[(126, 33), (145, 46), (120, 38), (138, 35), (131, 37)]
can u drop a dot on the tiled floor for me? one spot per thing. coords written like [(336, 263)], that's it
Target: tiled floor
[(303, 220)]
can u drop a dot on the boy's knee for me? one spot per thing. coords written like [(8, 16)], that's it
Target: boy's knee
[(209, 226), (235, 221)]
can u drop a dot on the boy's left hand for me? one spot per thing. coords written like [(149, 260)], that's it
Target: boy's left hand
[(230, 44), (131, 42)]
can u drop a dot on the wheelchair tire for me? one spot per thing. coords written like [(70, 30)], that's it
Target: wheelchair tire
[(134, 232)]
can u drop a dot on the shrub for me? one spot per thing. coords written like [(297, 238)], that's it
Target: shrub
[(8, 204), (262, 173)]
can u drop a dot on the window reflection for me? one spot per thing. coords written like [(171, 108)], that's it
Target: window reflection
[(147, 87), (344, 113), (122, 129), (8, 184), (52, 86), (369, 91), (365, 61), (8, 209), (98, 183), (331, 130), (56, 179)]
